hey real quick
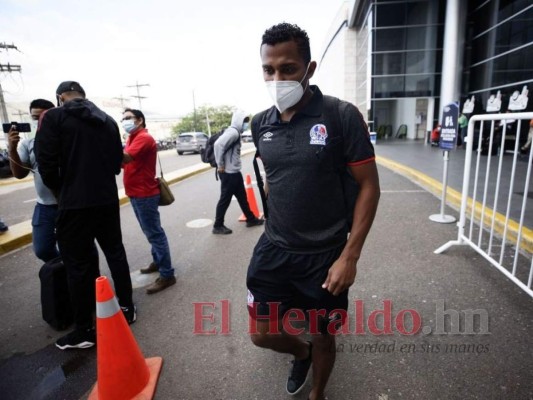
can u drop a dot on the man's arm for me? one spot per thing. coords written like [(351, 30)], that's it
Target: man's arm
[(19, 168), (118, 153), (47, 151), (222, 144), (126, 158), (342, 273), (138, 148)]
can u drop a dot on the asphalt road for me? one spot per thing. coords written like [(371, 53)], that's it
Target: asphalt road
[(398, 264), (17, 200)]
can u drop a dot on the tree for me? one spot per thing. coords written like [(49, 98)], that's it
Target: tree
[(219, 118)]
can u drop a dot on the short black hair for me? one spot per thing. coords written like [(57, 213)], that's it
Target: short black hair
[(42, 104), (286, 32), (138, 114)]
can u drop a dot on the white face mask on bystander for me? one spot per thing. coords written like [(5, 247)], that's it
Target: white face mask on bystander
[(128, 125)]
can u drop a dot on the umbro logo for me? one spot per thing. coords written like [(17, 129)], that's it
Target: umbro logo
[(267, 137)]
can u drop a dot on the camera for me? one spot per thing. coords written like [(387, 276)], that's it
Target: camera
[(20, 127)]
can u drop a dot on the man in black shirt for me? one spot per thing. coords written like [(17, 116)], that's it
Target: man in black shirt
[(79, 153), (304, 260)]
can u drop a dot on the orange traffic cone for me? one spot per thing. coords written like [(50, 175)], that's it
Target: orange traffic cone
[(123, 373), (250, 195)]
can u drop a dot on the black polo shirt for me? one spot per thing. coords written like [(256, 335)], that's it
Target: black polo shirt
[(305, 201)]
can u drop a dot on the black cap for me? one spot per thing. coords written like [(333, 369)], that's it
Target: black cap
[(69, 86)]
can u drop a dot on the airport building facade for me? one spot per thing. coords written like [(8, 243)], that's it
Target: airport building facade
[(400, 61)]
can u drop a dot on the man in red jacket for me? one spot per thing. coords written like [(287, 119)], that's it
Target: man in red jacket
[(142, 188)]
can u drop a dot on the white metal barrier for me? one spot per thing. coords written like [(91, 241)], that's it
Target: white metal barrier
[(488, 228)]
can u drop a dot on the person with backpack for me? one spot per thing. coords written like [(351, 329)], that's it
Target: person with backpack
[(227, 151), (306, 260)]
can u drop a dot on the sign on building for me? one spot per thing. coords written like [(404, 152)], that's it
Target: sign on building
[(518, 101)]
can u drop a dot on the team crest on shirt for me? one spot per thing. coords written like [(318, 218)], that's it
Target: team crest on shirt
[(318, 134)]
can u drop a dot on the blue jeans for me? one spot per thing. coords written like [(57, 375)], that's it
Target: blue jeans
[(44, 231), (147, 213)]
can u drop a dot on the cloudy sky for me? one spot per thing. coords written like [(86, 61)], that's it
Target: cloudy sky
[(209, 46)]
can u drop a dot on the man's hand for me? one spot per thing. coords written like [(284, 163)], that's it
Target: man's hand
[(18, 168), (126, 158), (341, 276), (13, 138), (221, 170)]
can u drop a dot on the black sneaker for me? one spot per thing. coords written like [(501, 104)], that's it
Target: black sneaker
[(130, 313), (77, 339), (298, 375), (255, 222), (222, 230)]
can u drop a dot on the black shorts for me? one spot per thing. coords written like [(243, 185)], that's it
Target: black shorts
[(292, 280)]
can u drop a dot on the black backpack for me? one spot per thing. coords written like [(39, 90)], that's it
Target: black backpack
[(330, 156), (208, 154)]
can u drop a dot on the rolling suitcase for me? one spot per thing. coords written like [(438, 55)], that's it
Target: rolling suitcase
[(55, 299)]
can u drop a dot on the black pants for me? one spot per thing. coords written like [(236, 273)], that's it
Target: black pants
[(76, 232), (231, 185)]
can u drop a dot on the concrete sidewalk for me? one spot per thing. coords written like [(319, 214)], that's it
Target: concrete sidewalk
[(20, 234), (423, 164), (398, 269)]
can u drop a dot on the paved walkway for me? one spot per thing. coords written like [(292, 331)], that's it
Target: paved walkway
[(424, 165), (441, 360)]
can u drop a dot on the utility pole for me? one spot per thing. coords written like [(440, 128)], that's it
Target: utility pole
[(3, 110), (20, 113), (194, 108), (139, 97), (208, 124), (6, 68), (122, 100)]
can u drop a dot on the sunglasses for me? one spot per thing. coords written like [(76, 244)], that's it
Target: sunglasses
[(128, 118)]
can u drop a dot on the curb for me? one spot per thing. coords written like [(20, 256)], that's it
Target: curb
[(14, 181), (453, 198), (20, 234)]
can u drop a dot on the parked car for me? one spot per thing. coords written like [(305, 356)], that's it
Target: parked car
[(191, 141), (247, 136), (5, 170)]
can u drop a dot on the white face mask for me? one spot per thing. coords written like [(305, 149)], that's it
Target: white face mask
[(285, 94), (34, 124), (128, 125)]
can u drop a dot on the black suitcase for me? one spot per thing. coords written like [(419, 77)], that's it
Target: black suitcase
[(55, 299)]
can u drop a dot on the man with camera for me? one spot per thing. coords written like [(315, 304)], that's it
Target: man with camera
[(23, 162)]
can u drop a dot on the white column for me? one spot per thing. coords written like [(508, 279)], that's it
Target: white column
[(449, 87)]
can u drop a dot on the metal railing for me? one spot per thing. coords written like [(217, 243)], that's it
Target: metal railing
[(486, 186)]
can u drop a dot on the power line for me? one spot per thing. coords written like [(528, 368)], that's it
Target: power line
[(139, 97), (122, 100), (7, 68), (20, 113)]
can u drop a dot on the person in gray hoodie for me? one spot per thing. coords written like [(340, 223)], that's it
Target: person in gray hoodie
[(228, 158)]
